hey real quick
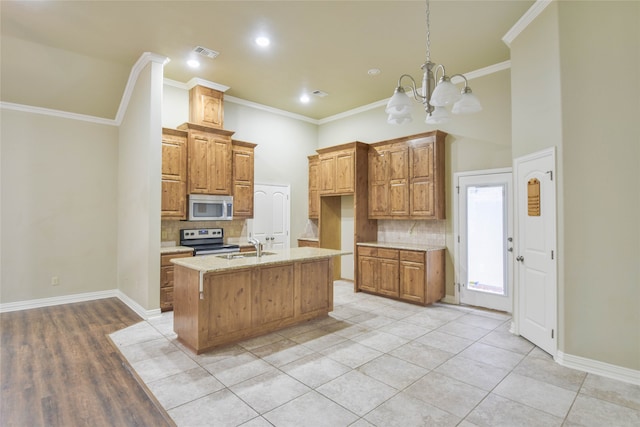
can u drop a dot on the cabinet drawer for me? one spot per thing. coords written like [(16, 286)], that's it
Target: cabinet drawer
[(165, 260), (166, 298), (367, 251), (388, 253), (412, 256), (166, 277)]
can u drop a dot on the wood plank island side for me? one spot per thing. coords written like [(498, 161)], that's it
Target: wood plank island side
[(244, 300)]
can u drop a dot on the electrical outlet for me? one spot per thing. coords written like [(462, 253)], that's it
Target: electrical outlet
[(55, 281), (164, 235)]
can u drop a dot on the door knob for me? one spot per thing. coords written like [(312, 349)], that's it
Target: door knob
[(510, 249), (520, 258)]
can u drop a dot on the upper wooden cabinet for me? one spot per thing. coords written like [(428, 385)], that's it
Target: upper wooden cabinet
[(406, 177), (206, 107), (209, 160), (242, 176), (337, 168), (174, 174), (314, 194)]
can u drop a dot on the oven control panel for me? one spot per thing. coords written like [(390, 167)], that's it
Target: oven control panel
[(201, 233)]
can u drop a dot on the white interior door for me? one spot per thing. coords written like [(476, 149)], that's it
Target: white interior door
[(485, 230), (536, 314), (271, 216)]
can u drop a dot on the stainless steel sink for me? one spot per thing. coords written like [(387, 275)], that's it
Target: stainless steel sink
[(238, 255)]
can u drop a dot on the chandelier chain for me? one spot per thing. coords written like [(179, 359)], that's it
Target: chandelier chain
[(428, 13)]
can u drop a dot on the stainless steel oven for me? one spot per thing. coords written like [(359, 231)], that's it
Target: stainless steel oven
[(205, 241)]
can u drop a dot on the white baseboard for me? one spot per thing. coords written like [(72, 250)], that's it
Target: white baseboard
[(88, 296), (599, 368), (140, 310), (47, 302)]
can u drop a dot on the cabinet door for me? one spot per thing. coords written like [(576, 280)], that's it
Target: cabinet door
[(367, 272), (378, 184), (327, 174), (228, 296), (388, 277), (314, 195), (412, 276), (273, 294), (220, 169), (345, 172), (421, 175), (200, 157), (398, 197), (243, 182), (206, 107), (313, 294), (174, 177)]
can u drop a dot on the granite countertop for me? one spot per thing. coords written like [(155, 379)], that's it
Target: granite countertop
[(173, 249), (217, 263), (402, 245)]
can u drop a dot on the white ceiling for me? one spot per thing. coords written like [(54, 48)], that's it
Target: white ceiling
[(76, 56)]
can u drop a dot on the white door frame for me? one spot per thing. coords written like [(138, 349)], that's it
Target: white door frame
[(517, 312), (456, 225)]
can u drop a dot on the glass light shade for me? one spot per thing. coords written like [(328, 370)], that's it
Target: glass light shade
[(399, 119), (399, 103), (468, 104), (438, 116), (445, 93)]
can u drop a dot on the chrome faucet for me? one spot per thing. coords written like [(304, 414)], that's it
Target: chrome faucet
[(256, 243)]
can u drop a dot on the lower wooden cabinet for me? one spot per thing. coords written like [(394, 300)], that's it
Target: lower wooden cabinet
[(413, 276), (166, 279), (308, 243)]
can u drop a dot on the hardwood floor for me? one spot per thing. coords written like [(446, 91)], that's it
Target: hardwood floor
[(58, 367)]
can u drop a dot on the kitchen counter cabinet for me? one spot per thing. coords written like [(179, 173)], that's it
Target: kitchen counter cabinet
[(219, 301), (412, 273), (167, 277)]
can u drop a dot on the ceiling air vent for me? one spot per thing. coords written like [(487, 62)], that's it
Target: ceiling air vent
[(206, 52), (319, 93)]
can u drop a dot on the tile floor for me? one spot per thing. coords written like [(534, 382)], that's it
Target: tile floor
[(375, 362)]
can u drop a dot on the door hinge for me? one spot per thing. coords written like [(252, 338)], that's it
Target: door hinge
[(458, 287), (458, 188), (552, 333), (550, 175), (551, 254), (458, 239)]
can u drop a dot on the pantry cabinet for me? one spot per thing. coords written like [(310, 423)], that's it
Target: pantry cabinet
[(406, 177), (314, 194), (209, 160), (242, 176), (410, 275), (174, 174)]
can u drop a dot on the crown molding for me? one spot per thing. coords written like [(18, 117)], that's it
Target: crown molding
[(196, 81), (526, 19), (56, 113), (268, 109), (145, 58)]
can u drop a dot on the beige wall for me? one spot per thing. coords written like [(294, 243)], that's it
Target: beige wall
[(559, 73), (59, 206), (480, 141), (139, 191)]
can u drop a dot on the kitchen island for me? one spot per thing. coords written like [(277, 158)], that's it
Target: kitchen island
[(219, 299)]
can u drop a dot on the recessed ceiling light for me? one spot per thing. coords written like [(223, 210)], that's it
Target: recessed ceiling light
[(304, 98), (263, 41), (374, 72), (193, 63)]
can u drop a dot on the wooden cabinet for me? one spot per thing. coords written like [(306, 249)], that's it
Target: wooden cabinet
[(206, 107), (166, 279), (242, 178), (174, 174), (302, 243), (406, 178), (337, 171), (209, 159), (413, 276), (314, 193)]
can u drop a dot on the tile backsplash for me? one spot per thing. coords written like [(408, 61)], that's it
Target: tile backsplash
[(419, 232), (232, 229)]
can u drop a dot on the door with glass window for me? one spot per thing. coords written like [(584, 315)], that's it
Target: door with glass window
[(485, 243)]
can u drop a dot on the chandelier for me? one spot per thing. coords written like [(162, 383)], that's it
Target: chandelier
[(436, 98)]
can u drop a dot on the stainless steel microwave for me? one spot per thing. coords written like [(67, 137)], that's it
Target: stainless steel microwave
[(203, 207)]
